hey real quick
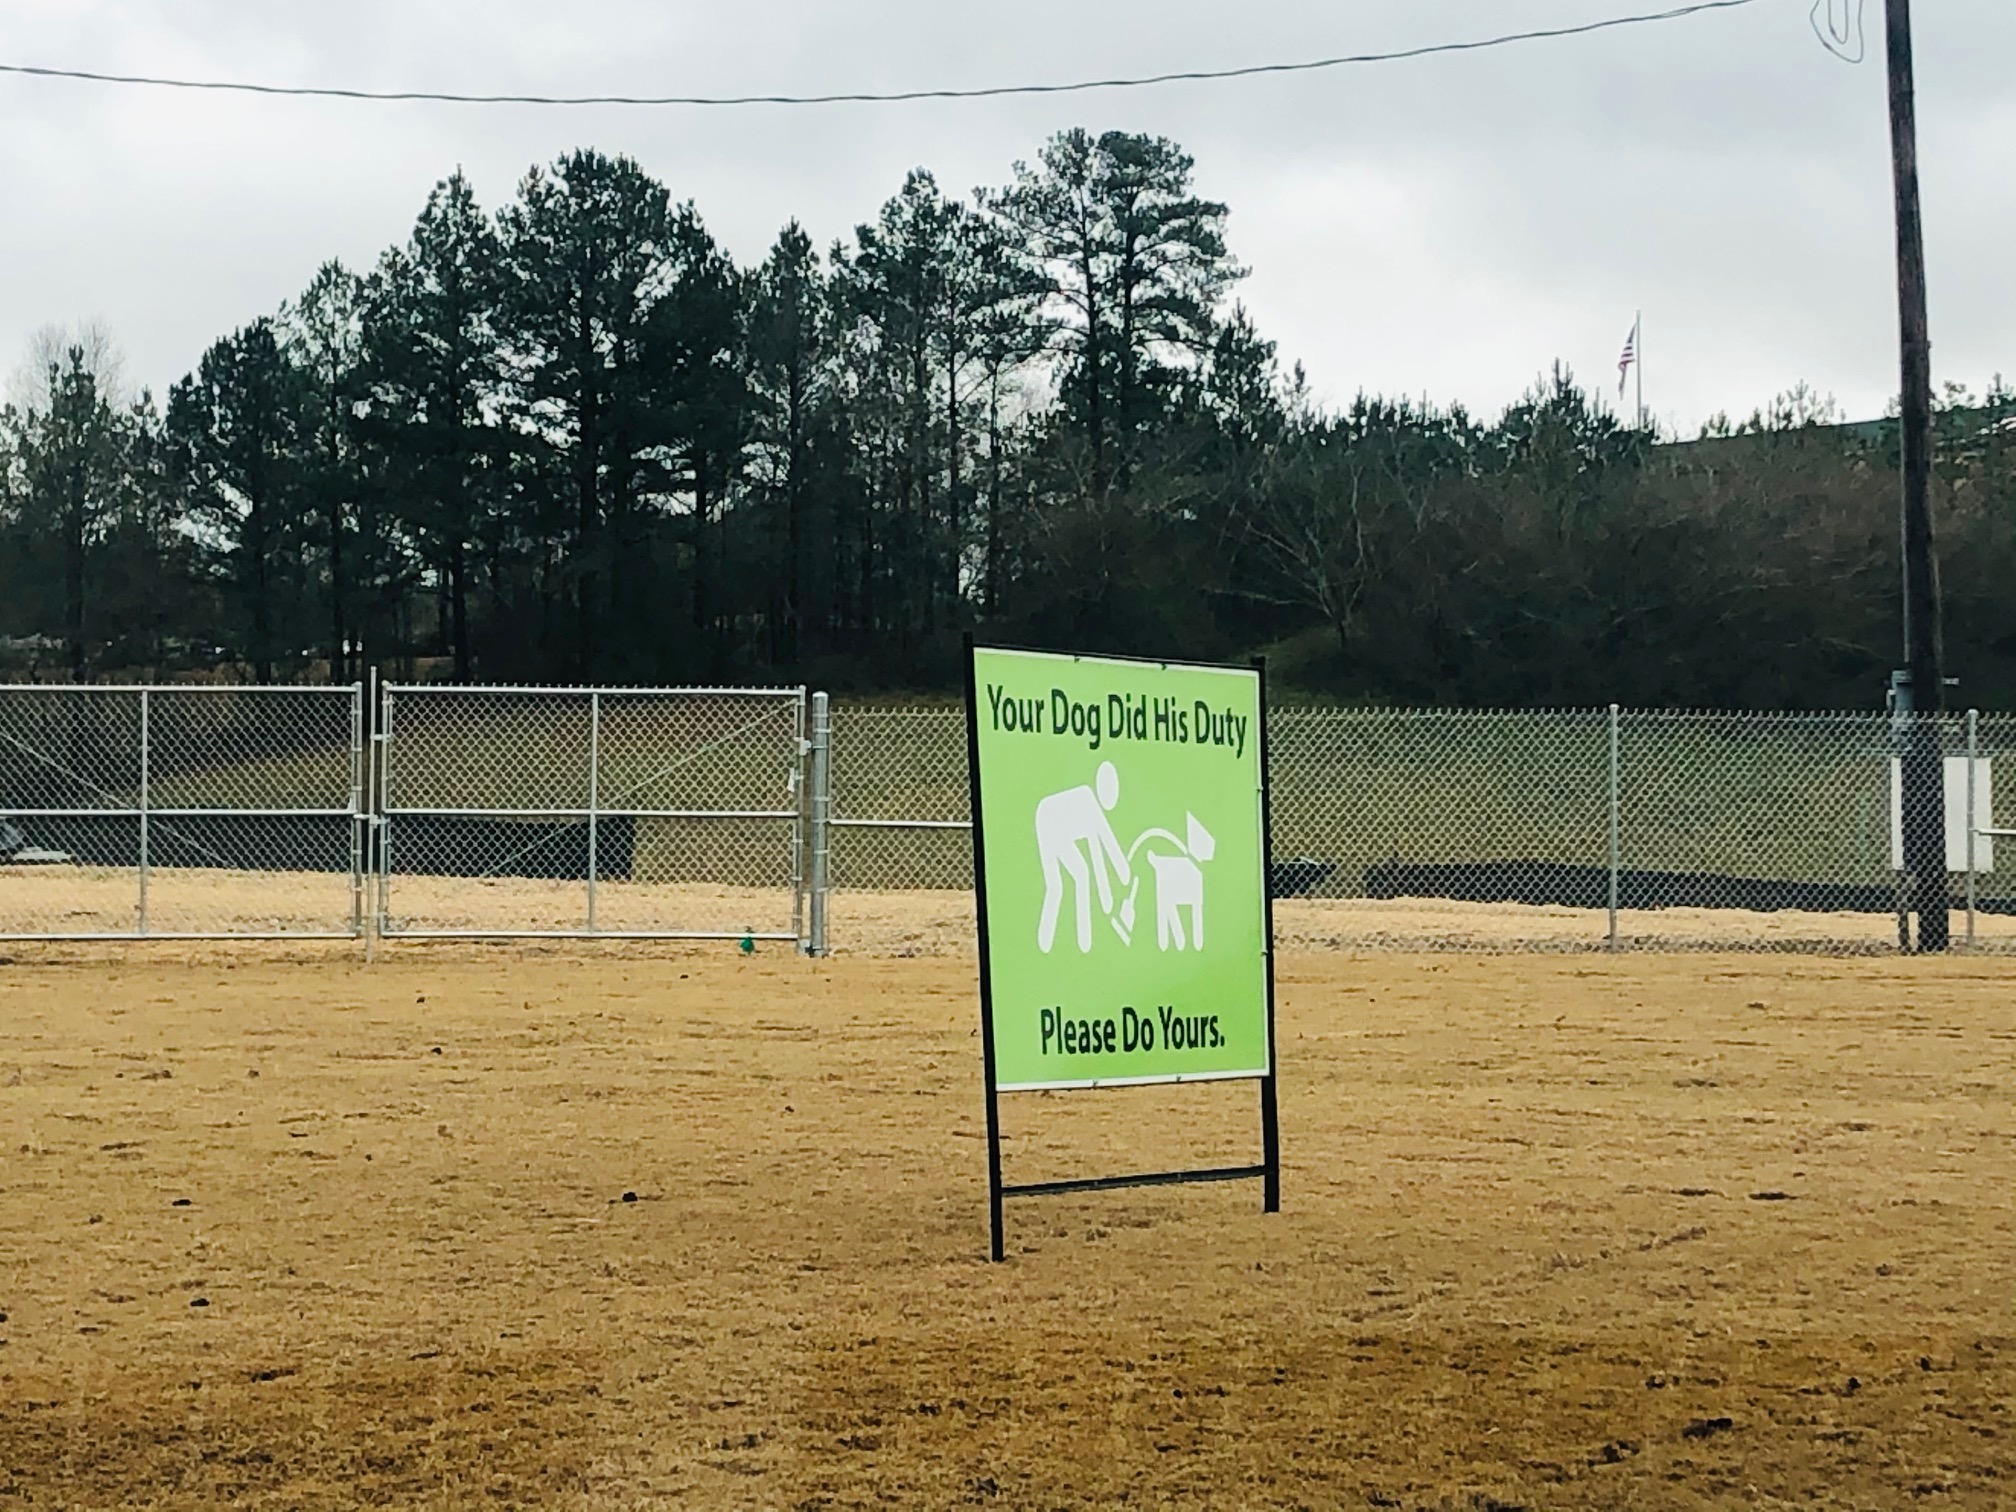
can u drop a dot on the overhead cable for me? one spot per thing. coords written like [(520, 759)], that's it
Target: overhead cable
[(862, 97)]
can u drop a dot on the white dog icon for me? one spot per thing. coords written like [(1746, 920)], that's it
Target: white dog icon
[(1179, 887)]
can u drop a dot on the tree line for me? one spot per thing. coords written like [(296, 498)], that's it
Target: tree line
[(573, 440)]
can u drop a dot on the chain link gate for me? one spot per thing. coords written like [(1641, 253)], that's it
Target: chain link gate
[(181, 812), (628, 813), (901, 831)]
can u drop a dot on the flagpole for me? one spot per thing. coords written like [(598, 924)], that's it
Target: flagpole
[(1639, 327)]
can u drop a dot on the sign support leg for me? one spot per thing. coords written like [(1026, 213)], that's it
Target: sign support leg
[(1270, 1114), (996, 1240), (1270, 1147)]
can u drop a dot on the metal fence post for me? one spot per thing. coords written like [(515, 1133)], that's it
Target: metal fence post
[(357, 845), (800, 790), (373, 840), (821, 809), (1616, 822), (1973, 819), (594, 793), (383, 807), (1900, 745), (145, 759)]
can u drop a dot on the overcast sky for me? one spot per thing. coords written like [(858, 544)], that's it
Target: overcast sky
[(1445, 227)]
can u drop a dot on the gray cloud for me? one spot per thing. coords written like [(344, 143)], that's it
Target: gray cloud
[(1446, 227)]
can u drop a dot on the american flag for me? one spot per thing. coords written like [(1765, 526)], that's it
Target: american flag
[(1629, 356)]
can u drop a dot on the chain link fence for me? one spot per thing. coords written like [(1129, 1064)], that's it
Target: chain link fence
[(672, 813), (1506, 831), (180, 812), (130, 812)]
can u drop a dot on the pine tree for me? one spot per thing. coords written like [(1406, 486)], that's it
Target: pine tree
[(584, 253), (70, 458), (788, 354), (429, 374), (324, 336), (693, 385), (1136, 264), (235, 430), (150, 601)]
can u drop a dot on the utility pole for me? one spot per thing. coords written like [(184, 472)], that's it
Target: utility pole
[(1922, 693)]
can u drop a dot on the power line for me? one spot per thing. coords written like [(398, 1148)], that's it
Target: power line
[(443, 97)]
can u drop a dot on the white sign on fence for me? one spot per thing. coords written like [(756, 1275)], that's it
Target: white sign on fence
[(1956, 814)]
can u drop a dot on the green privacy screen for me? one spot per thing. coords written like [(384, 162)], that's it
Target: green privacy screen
[(1123, 875)]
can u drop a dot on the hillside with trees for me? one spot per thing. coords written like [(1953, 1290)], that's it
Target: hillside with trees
[(572, 440)]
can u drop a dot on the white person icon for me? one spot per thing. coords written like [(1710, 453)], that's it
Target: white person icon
[(1074, 838)]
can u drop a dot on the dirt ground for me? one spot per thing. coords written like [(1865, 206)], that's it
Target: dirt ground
[(83, 900), (940, 922), (280, 1229)]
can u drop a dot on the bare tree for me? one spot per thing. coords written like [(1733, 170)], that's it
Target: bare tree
[(51, 347)]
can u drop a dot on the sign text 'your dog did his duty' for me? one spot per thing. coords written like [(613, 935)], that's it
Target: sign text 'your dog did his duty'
[(1119, 717)]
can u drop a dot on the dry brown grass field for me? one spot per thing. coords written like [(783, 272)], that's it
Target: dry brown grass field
[(281, 1229)]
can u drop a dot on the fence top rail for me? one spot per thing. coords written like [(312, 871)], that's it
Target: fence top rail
[(1757, 716), (1796, 716), (855, 711), (1428, 711), (444, 689), (578, 813), (323, 690), (151, 812)]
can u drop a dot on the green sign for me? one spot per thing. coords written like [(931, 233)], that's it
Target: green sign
[(1124, 885)]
